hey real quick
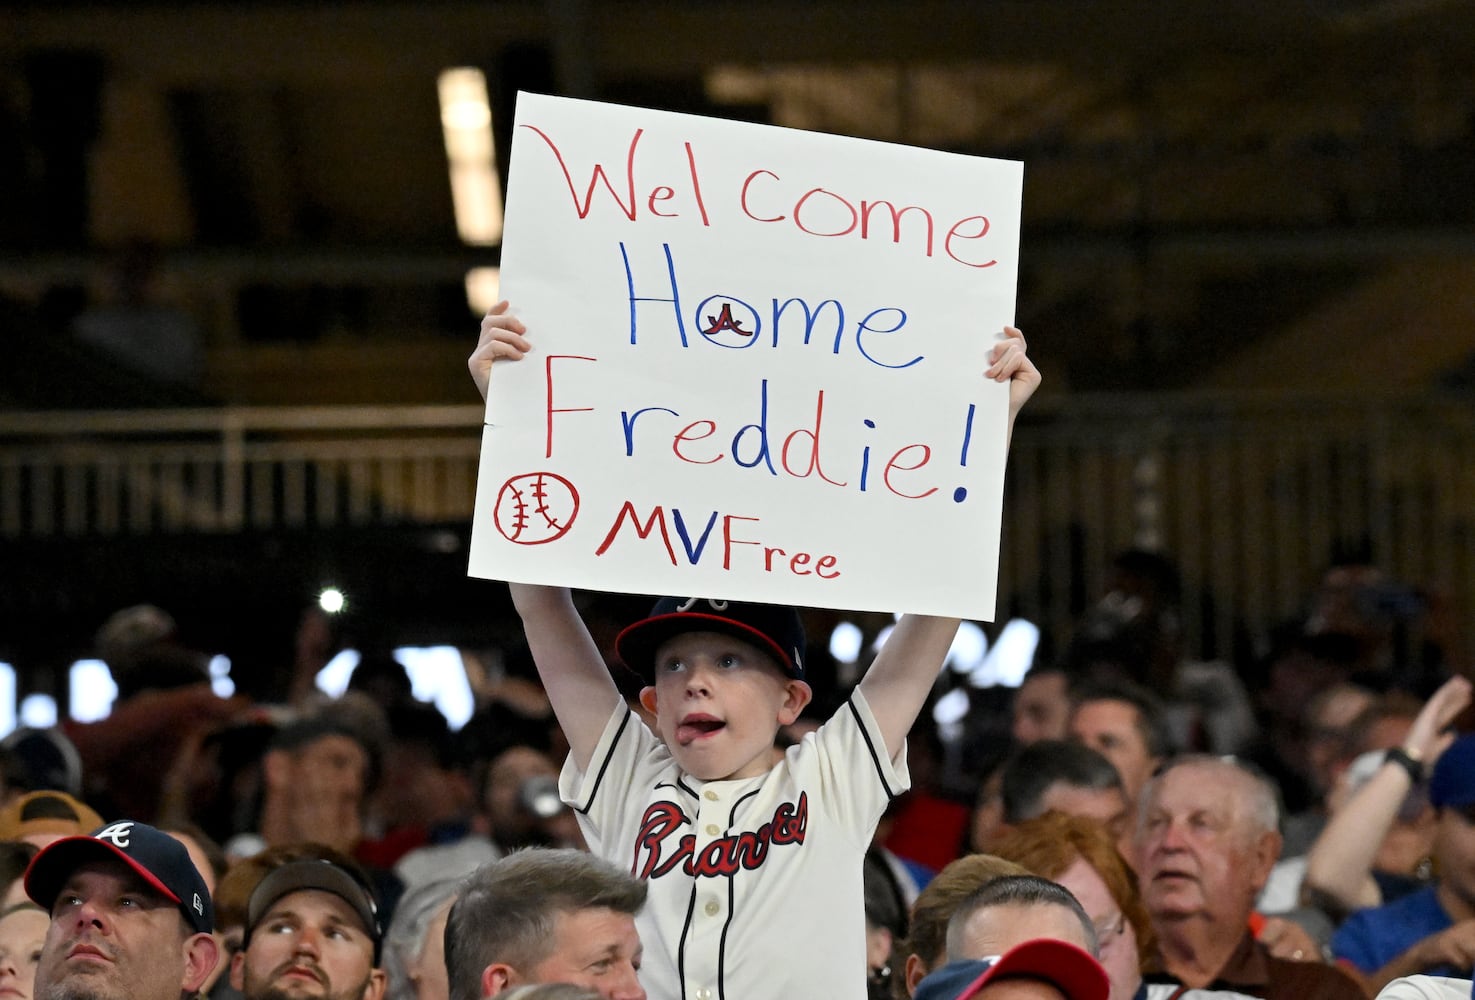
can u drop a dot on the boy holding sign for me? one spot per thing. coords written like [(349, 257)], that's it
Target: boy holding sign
[(754, 865)]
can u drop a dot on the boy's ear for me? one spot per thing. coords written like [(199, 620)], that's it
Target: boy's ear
[(648, 699), (797, 694)]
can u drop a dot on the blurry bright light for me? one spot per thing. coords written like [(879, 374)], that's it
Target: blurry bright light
[(332, 680), (483, 288), (7, 699), (845, 642), (332, 600), (38, 711), (951, 707), (437, 675), (220, 681), (476, 188), (967, 649), (1009, 660), (91, 691)]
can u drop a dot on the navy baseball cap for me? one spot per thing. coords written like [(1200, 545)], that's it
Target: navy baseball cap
[(321, 875), (1453, 782), (772, 628), (160, 860), (1072, 970)]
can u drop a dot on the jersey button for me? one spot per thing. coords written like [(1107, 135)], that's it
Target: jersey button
[(704, 994), (713, 907), (713, 829), (710, 796)]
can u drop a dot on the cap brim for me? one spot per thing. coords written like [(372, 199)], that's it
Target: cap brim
[(636, 646), (1073, 970), (50, 869), (322, 876)]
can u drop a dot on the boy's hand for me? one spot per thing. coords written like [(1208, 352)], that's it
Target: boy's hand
[(501, 337), (1008, 362)]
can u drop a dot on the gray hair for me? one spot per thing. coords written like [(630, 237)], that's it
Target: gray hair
[(1015, 890), (506, 909), (404, 941), (1259, 807)]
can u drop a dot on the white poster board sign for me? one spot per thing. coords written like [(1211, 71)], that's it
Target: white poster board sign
[(758, 364)]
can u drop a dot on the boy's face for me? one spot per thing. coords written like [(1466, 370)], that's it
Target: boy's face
[(718, 701)]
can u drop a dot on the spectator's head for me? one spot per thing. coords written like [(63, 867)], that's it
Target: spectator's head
[(141, 648), (1331, 722), (15, 858), (1042, 969), (234, 889), (22, 934), (1452, 793), (1128, 725), (130, 893), (1207, 837), (926, 944), (886, 921), (1041, 706), (41, 818), (520, 798), (1014, 909), (422, 785), (1068, 778), (312, 933), (723, 677), (323, 765), (551, 991), (545, 916), (415, 946), (1079, 855)]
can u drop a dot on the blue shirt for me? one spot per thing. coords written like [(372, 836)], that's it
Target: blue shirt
[(1372, 938)]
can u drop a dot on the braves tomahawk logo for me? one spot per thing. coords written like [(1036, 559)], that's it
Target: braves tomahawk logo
[(659, 849)]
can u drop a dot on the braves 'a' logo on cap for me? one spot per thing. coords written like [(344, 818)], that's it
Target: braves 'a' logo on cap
[(118, 833), (691, 603)]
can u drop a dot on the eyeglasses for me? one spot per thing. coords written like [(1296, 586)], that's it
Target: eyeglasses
[(1110, 930)]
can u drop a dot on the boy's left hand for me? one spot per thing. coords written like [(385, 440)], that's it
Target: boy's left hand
[(1009, 362)]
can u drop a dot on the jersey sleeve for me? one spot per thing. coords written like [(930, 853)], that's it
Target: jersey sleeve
[(856, 778), (626, 763)]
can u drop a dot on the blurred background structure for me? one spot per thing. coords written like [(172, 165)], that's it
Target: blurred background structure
[(242, 247)]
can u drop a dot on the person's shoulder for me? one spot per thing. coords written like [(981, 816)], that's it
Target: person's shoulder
[(1426, 988)]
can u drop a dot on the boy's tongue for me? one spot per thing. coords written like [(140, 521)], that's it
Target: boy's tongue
[(694, 727)]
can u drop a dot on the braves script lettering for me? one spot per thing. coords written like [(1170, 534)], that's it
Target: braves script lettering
[(655, 854)]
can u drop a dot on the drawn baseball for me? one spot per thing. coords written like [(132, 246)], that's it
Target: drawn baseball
[(535, 508)]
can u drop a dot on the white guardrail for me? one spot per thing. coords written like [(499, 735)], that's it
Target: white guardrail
[(1250, 495)]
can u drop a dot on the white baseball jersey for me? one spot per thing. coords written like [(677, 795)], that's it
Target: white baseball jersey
[(755, 883)]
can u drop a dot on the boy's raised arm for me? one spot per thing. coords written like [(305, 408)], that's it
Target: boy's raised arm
[(897, 683), (572, 669)]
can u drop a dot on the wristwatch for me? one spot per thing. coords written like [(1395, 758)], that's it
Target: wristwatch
[(1410, 760)]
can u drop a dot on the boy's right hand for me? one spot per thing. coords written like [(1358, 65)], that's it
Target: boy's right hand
[(501, 337)]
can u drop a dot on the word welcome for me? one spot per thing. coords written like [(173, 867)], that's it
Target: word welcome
[(765, 198)]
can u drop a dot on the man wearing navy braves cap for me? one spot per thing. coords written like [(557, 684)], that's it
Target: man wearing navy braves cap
[(130, 917), (312, 933)]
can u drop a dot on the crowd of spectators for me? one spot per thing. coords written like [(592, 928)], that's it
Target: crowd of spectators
[(1302, 825)]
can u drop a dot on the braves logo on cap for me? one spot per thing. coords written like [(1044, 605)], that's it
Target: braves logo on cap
[(118, 833)]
